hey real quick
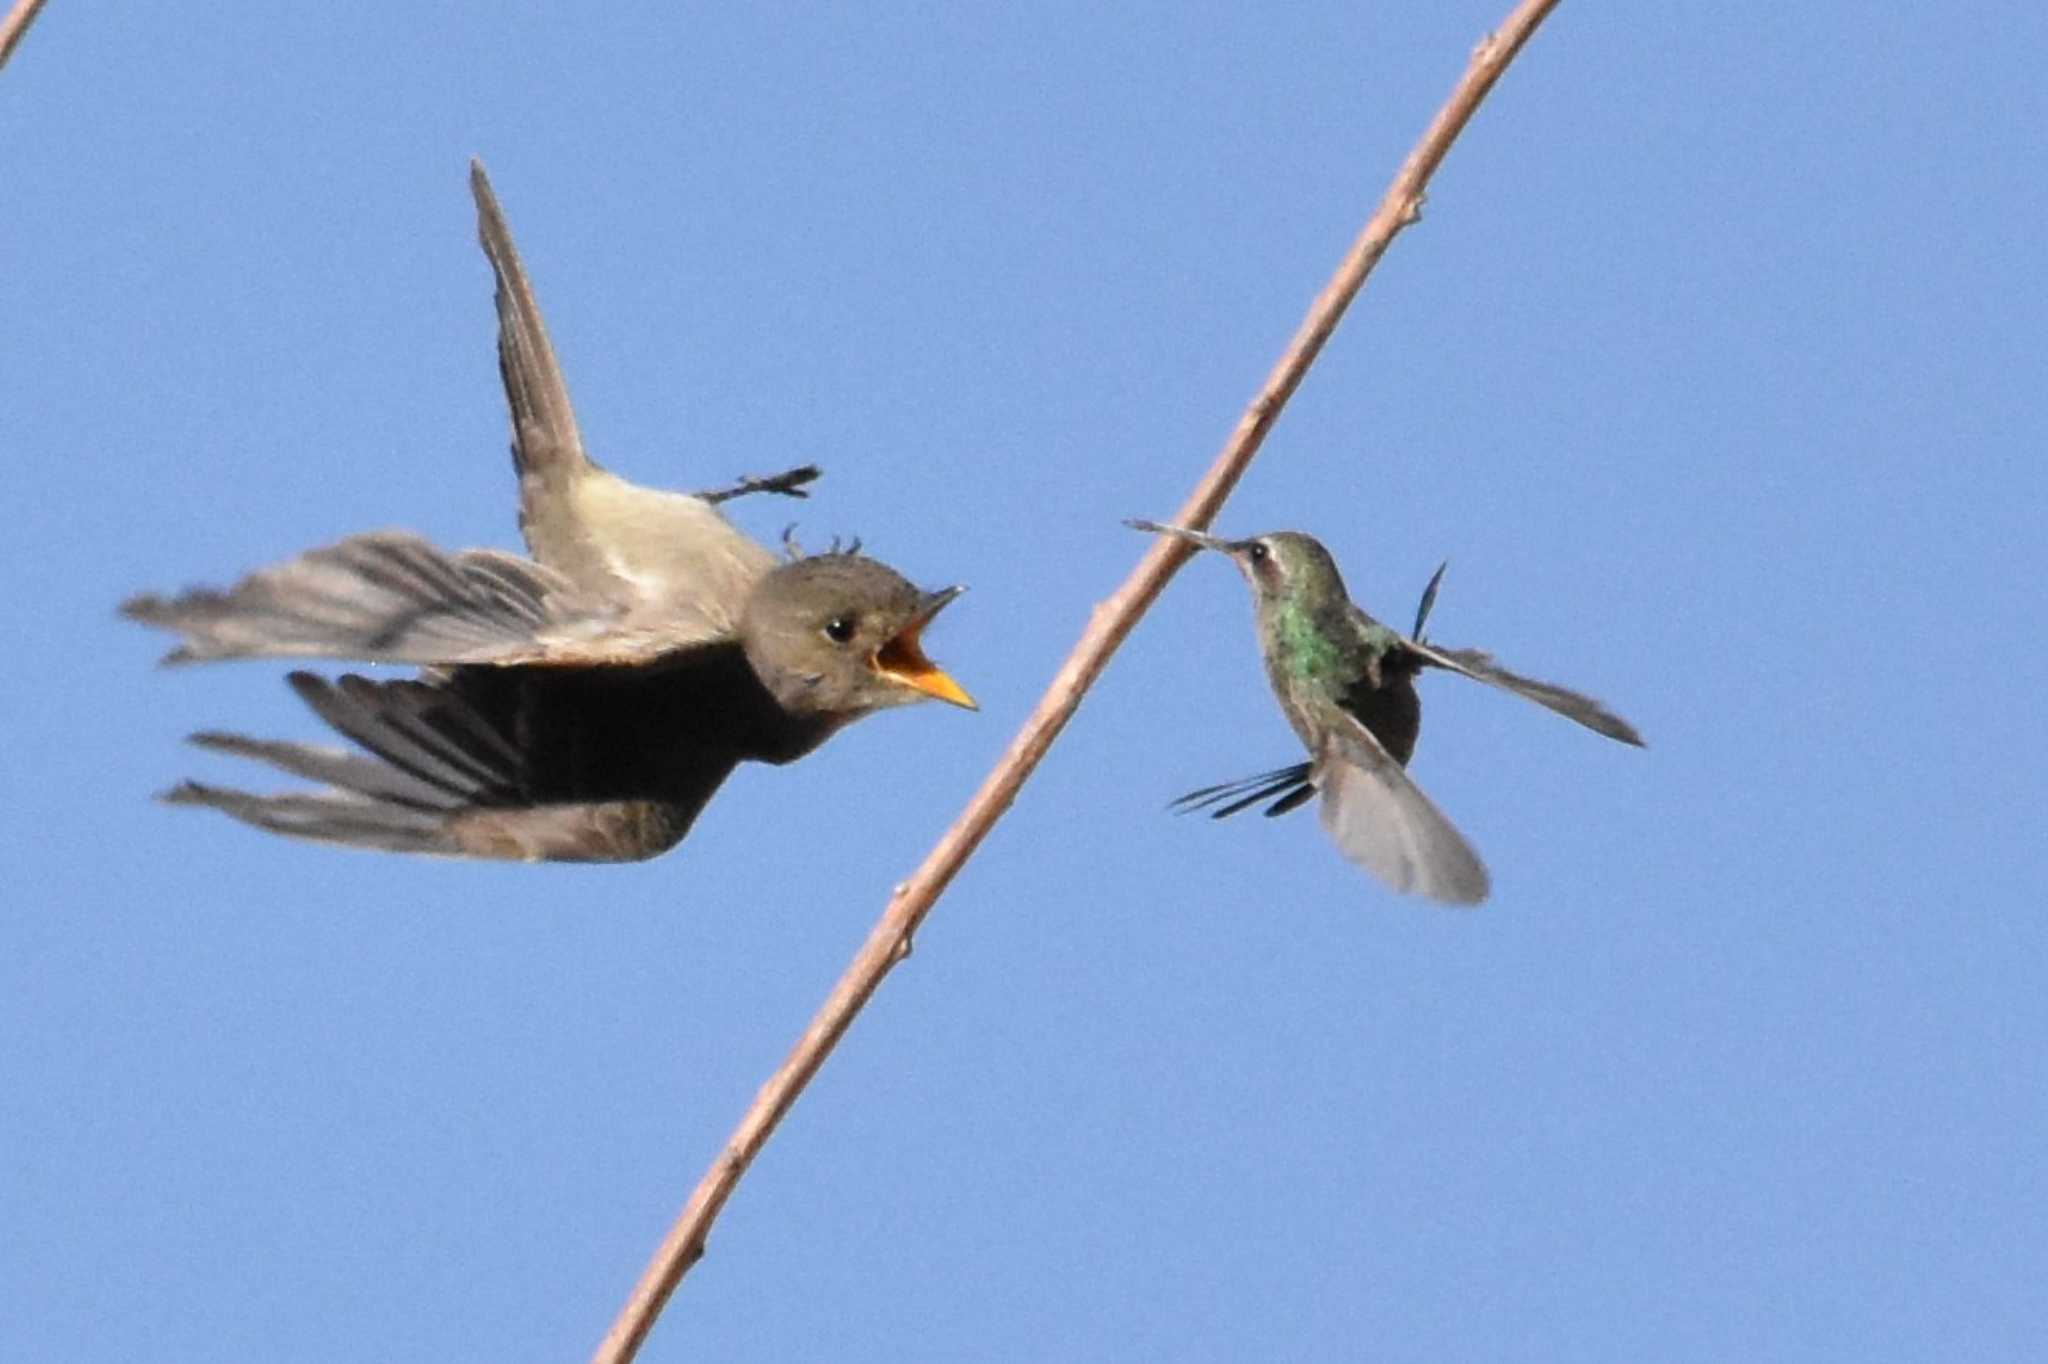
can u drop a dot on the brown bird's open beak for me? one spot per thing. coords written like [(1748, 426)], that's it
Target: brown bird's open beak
[(902, 658)]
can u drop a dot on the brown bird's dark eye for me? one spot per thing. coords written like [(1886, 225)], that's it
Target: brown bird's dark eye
[(839, 629), (1257, 553)]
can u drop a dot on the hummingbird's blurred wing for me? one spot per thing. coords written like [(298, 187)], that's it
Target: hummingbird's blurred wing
[(1380, 819), (390, 597), (635, 545), (1479, 665)]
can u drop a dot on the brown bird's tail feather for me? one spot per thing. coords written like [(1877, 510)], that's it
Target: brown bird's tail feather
[(545, 442), (430, 759), (327, 816)]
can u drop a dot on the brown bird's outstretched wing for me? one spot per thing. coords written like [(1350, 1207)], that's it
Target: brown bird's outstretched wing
[(1479, 665), (524, 764), (390, 597), (637, 546), (1379, 818)]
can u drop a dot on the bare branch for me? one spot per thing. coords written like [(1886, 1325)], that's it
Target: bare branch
[(889, 941), (15, 25)]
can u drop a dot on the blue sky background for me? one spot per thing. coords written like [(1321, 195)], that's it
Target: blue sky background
[(1715, 369)]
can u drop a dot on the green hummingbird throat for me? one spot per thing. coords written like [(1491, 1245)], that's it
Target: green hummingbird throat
[(1305, 645)]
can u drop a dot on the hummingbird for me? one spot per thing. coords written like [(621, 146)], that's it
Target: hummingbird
[(579, 705), (1347, 686)]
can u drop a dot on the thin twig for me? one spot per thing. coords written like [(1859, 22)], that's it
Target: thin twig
[(889, 941), (15, 25)]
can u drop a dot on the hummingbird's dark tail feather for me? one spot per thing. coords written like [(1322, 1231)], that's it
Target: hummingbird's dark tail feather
[(1428, 601), (1479, 666), (1291, 784)]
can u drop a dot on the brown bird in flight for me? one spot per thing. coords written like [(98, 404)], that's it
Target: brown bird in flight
[(581, 705)]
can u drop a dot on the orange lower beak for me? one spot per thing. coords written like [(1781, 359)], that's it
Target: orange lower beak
[(902, 659)]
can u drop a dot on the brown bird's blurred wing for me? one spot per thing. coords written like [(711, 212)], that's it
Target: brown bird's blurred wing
[(1479, 666), (440, 776), (390, 597), (639, 546), (1380, 819)]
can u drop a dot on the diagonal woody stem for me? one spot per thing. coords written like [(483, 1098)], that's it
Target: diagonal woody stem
[(889, 941), (14, 26)]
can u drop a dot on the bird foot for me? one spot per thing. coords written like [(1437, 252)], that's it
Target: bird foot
[(788, 483)]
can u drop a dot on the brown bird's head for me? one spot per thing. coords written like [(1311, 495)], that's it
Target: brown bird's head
[(838, 634)]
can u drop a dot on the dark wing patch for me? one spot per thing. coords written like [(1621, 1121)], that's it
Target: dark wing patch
[(424, 729), (524, 763)]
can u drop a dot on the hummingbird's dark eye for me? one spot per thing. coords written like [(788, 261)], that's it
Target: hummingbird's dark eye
[(1258, 552), (840, 629)]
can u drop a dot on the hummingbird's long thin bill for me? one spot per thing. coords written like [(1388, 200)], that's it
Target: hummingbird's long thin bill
[(1193, 537), (903, 660)]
